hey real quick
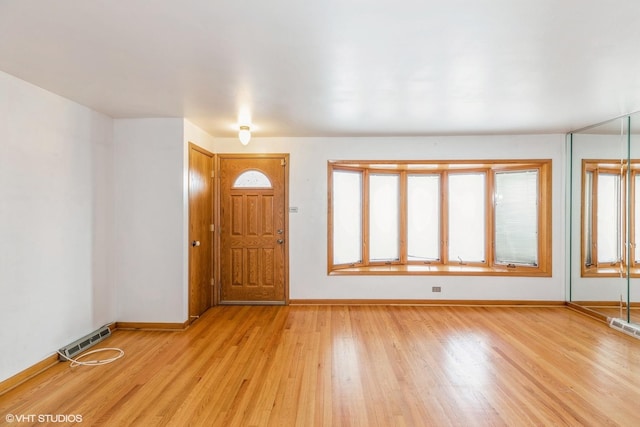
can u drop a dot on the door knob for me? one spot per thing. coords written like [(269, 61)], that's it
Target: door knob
[(195, 243), (280, 241)]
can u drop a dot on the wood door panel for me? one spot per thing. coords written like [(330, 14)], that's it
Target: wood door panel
[(252, 215), (237, 217), (268, 256), (252, 265), (267, 213), (237, 267), (200, 220)]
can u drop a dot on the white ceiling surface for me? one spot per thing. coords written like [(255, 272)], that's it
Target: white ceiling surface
[(335, 67)]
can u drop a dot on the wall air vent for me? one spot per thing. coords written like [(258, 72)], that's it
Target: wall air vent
[(76, 347), (627, 328)]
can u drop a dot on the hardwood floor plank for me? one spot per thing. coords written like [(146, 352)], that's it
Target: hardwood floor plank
[(346, 365)]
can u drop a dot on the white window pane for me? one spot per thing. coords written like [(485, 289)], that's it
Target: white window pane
[(516, 217), (347, 217), (467, 217), (252, 179), (608, 218), (423, 217), (588, 219), (637, 217), (384, 217)]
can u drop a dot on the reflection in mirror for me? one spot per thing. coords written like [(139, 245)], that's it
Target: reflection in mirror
[(601, 225), (634, 213), (603, 198)]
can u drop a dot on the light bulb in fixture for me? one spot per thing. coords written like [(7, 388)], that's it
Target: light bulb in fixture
[(244, 135)]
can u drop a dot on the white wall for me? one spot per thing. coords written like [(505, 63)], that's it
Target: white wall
[(55, 217), (308, 228), (194, 134), (148, 220)]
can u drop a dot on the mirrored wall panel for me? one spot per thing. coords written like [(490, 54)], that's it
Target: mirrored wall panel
[(634, 213), (605, 178)]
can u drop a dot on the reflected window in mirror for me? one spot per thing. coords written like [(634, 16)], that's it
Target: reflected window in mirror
[(635, 223), (606, 186)]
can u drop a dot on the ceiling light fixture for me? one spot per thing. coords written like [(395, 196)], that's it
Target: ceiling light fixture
[(244, 135)]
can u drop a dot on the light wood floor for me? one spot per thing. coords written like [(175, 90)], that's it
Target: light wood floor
[(634, 316), (355, 366)]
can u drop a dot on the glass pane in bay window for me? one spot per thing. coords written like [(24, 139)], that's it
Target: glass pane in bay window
[(384, 217), (516, 217), (467, 217), (347, 217), (608, 218), (423, 217)]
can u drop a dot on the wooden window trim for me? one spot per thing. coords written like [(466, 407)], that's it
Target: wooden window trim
[(627, 182), (437, 270), (445, 266), (445, 231), (330, 220), (544, 216), (401, 204)]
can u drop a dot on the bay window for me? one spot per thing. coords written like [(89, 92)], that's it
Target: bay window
[(443, 217)]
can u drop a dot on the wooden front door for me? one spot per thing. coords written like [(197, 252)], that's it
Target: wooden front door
[(253, 235), (200, 231)]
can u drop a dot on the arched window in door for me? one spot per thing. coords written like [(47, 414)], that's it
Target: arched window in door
[(252, 179)]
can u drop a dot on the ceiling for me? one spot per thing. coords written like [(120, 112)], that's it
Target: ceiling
[(335, 67)]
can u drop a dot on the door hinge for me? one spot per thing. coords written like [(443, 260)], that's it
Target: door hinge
[(213, 174), (213, 282), (212, 227), (283, 162)]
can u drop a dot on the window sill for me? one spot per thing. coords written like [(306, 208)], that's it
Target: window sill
[(439, 270), (609, 272)]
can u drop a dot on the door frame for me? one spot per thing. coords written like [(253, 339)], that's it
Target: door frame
[(217, 218)]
